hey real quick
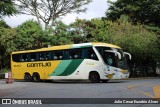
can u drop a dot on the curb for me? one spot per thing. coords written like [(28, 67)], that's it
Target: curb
[(140, 78)]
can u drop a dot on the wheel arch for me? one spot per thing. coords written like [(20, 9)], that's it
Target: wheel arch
[(94, 71), (27, 73), (35, 73)]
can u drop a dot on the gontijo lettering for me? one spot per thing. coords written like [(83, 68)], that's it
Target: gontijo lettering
[(47, 64)]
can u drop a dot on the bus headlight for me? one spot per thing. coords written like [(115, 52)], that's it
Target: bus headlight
[(124, 71)]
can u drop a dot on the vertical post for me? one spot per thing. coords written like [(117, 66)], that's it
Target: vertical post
[(9, 77)]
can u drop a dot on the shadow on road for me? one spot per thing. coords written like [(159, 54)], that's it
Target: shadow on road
[(75, 81)]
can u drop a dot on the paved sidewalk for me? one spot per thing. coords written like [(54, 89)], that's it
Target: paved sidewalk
[(3, 84)]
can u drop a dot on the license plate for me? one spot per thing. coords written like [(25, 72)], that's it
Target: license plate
[(110, 76)]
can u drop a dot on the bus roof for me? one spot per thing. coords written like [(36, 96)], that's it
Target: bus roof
[(82, 45), (105, 44)]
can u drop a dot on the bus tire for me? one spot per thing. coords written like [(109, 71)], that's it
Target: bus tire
[(94, 77), (104, 81), (36, 77), (27, 77)]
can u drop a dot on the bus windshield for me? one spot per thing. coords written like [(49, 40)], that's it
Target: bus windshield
[(111, 58), (122, 63)]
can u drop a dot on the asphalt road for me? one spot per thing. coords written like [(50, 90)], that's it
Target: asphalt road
[(131, 88)]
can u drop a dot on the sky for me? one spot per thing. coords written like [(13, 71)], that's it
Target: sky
[(96, 9)]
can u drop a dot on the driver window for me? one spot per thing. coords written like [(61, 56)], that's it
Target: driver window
[(110, 59)]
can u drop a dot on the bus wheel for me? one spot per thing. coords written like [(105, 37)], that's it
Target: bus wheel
[(94, 77), (104, 81), (36, 77), (27, 77)]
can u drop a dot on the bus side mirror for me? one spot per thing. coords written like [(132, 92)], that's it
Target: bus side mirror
[(119, 55), (115, 52), (125, 53)]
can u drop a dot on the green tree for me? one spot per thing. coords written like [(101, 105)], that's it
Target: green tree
[(78, 31), (49, 10), (7, 43), (135, 39), (4, 24), (7, 8), (60, 34), (84, 30), (91, 30), (140, 42), (100, 31), (142, 11), (30, 36), (146, 12)]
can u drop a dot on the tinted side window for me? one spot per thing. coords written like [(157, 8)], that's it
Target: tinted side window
[(16, 57), (48, 55), (58, 55), (75, 54), (91, 54), (33, 57), (42, 56), (25, 58)]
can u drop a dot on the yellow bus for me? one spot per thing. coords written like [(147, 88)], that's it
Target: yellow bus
[(87, 61)]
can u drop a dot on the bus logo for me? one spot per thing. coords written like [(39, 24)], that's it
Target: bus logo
[(47, 64)]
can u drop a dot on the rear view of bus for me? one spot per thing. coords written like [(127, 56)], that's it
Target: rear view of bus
[(87, 61)]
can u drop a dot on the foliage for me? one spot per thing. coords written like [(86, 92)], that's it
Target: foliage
[(60, 35), (7, 8), (7, 44), (144, 21), (141, 43), (30, 35), (88, 31), (141, 11), (3, 24), (78, 30), (135, 39), (49, 10), (100, 30), (4, 70)]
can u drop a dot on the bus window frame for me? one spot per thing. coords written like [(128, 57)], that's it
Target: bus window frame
[(82, 54)]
